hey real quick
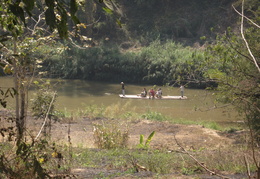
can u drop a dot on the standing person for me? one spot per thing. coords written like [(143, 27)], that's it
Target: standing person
[(182, 90), (123, 88)]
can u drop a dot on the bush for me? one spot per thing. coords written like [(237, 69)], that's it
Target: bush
[(150, 115), (41, 103), (110, 136)]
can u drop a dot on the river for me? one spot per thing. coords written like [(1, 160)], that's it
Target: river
[(75, 95)]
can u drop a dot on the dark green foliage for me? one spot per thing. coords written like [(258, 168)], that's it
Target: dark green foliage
[(73, 10), (49, 13), (56, 15), (177, 20), (159, 63), (17, 11)]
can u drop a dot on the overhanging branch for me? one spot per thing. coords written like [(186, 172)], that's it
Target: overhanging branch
[(243, 37)]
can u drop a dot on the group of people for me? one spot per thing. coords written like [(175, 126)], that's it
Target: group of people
[(152, 93)]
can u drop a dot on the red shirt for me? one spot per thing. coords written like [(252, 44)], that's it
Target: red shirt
[(152, 92)]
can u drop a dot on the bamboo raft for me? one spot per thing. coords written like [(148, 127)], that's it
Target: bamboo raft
[(147, 97)]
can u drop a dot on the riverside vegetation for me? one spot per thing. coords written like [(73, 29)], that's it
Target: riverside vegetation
[(113, 154), (159, 63), (148, 53)]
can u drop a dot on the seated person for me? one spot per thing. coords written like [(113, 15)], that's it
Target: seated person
[(151, 93), (159, 93), (144, 93)]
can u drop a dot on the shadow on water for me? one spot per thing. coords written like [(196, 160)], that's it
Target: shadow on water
[(82, 88)]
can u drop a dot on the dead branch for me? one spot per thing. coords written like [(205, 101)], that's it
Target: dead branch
[(247, 167), (37, 22), (245, 17), (137, 166), (243, 37), (199, 163)]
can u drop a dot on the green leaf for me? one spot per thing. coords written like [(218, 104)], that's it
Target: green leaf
[(73, 10), (38, 168), (73, 7), (119, 23), (75, 19), (141, 139), (107, 10), (63, 30), (50, 18), (17, 11), (3, 103), (149, 138), (29, 5), (50, 3)]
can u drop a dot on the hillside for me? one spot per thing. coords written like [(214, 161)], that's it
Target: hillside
[(144, 21)]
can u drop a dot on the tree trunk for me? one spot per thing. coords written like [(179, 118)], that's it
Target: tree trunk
[(20, 100), (17, 99), (22, 110), (90, 10), (258, 173)]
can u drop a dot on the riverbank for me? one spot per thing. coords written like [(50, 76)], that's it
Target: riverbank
[(163, 158)]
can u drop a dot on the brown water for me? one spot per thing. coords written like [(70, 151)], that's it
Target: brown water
[(74, 95)]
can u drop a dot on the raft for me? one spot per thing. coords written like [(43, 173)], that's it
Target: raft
[(147, 97)]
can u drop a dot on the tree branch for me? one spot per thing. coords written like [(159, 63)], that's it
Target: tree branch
[(242, 34), (247, 167), (200, 163), (46, 116), (245, 17), (37, 22)]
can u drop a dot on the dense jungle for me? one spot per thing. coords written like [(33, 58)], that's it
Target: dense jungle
[(212, 45)]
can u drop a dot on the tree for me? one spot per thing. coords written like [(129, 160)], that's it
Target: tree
[(24, 27), (233, 61)]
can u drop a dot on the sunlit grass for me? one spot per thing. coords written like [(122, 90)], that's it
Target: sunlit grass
[(118, 111), (154, 116), (159, 161), (164, 162), (207, 124)]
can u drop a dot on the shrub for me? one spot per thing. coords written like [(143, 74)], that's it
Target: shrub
[(110, 136), (154, 116), (41, 103), (147, 142)]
